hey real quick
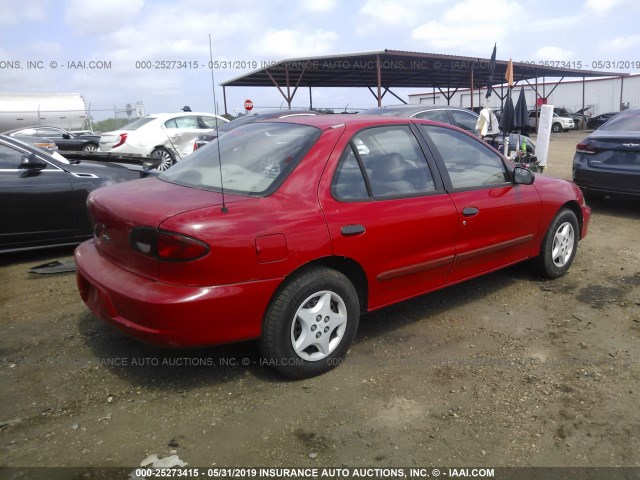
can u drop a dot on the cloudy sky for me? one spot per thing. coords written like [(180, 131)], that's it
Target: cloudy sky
[(124, 32)]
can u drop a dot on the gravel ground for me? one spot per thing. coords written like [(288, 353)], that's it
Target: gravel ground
[(505, 370)]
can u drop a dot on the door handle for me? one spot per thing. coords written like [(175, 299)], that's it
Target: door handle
[(470, 211), (352, 230)]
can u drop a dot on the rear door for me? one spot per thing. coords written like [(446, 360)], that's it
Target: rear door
[(182, 132), (497, 220), (386, 208)]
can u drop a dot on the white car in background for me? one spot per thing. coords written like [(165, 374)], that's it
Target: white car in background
[(169, 136), (558, 124)]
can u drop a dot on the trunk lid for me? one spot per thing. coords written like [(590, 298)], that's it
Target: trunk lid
[(118, 209), (615, 150)]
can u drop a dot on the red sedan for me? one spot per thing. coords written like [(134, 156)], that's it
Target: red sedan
[(289, 229)]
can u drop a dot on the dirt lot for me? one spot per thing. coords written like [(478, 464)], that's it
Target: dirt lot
[(503, 370)]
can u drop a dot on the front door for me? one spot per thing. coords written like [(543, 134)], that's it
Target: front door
[(497, 219)]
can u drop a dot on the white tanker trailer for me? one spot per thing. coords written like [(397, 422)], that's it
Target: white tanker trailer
[(64, 110)]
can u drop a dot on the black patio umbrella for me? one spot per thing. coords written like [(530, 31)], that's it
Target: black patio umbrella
[(506, 120), (521, 113)]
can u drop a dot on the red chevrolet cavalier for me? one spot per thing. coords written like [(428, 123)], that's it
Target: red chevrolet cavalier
[(287, 230)]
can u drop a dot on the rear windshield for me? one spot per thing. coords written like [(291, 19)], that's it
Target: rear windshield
[(136, 124), (256, 158), (629, 122)]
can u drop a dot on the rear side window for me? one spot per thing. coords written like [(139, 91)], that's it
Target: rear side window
[(190, 122), (383, 162)]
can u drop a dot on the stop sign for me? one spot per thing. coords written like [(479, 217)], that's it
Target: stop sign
[(248, 104)]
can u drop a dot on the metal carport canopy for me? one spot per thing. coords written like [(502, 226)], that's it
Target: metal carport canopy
[(388, 69)]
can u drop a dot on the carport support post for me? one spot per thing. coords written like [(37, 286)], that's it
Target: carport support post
[(310, 100), (379, 72), (224, 96), (621, 88), (286, 76), (471, 88)]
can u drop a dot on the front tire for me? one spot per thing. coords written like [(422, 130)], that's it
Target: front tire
[(310, 323), (559, 245), (166, 158), (556, 128)]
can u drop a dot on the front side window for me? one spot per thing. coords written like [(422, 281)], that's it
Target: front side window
[(254, 161), (464, 120), (9, 158), (435, 115), (392, 161), (469, 163), (211, 122), (49, 132)]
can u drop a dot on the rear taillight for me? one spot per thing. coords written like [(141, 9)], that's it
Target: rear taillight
[(195, 145), (584, 147), (172, 246), (121, 139), (167, 246)]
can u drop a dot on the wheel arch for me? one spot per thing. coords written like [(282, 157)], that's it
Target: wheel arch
[(575, 208), (347, 266)]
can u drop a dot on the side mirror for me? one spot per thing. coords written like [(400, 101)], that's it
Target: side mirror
[(66, 136), (523, 176), (32, 163)]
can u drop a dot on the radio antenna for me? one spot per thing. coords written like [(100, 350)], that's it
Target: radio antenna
[(224, 208)]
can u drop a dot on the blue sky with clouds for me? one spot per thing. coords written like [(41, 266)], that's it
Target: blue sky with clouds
[(125, 31)]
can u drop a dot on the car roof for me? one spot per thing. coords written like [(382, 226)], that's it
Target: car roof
[(363, 120), (182, 114), (410, 109)]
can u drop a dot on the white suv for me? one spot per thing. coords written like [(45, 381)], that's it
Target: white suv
[(169, 136), (558, 124)]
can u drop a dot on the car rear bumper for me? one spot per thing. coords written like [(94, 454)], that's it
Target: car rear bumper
[(598, 180), (170, 315)]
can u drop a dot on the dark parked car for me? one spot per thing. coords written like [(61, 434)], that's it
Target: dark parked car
[(321, 218), (598, 121), (607, 162), (44, 199), (250, 118), (460, 117), (64, 139), (45, 144)]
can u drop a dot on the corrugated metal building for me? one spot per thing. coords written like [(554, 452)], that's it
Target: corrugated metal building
[(601, 94)]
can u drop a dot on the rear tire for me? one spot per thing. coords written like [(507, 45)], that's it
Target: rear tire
[(166, 158), (559, 245), (90, 148), (310, 323)]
